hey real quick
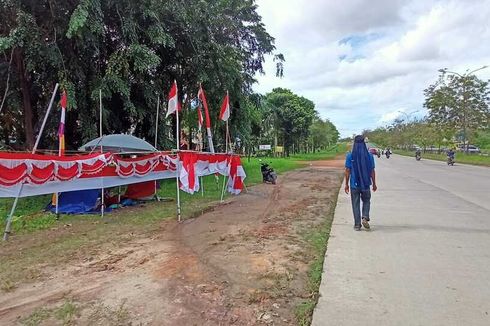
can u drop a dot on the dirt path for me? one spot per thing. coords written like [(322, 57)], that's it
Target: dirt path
[(243, 263)]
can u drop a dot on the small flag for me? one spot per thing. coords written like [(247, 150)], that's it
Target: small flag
[(225, 108), (202, 96), (173, 101), (61, 129)]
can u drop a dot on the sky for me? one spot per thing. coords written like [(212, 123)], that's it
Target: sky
[(365, 63)]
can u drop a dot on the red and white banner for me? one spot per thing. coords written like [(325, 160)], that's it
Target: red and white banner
[(173, 100), (45, 174)]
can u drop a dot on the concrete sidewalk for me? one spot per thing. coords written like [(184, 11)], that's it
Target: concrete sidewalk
[(426, 260)]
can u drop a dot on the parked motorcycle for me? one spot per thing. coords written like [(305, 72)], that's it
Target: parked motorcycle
[(268, 174)]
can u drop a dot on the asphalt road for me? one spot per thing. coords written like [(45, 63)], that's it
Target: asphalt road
[(426, 260)]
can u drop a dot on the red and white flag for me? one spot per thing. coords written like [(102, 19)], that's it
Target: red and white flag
[(199, 117), (202, 96), (61, 128), (225, 108), (173, 100)]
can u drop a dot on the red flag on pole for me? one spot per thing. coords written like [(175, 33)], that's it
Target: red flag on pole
[(225, 108), (61, 128), (173, 101), (199, 117), (202, 96)]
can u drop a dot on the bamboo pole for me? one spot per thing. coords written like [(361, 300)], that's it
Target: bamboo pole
[(177, 137), (102, 199), (14, 205)]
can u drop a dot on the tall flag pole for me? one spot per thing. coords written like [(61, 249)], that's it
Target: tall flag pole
[(173, 106), (225, 115), (102, 196), (202, 96), (61, 136), (156, 122), (200, 121), (61, 128), (156, 146)]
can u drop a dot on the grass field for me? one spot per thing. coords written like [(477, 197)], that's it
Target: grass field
[(30, 215), (473, 159)]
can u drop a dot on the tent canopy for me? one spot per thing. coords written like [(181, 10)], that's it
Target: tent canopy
[(118, 143)]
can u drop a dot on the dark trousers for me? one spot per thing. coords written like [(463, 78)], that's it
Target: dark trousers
[(356, 195)]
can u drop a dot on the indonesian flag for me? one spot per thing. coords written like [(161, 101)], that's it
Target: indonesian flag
[(202, 96), (173, 101), (199, 117), (225, 108), (61, 129)]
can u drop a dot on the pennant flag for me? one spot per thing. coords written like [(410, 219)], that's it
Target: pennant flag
[(61, 129), (202, 96), (173, 101), (199, 117), (225, 108)]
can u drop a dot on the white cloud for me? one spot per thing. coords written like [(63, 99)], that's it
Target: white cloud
[(393, 52)]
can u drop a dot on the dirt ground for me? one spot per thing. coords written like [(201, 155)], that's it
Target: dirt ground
[(243, 263)]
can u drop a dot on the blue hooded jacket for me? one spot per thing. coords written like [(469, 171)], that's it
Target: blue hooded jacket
[(361, 164)]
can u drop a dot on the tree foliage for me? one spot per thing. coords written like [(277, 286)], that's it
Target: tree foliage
[(131, 51), (459, 102), (293, 119), (323, 134)]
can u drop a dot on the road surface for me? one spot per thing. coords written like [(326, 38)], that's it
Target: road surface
[(426, 260)]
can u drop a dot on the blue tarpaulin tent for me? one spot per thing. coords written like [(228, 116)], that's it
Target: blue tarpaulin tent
[(77, 202)]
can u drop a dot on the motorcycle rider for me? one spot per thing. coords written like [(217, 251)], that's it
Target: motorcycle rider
[(388, 152), (450, 155), (418, 154)]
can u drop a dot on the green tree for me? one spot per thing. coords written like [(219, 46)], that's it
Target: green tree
[(132, 51), (323, 134), (459, 102), (293, 116)]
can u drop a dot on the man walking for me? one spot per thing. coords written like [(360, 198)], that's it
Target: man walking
[(359, 175)]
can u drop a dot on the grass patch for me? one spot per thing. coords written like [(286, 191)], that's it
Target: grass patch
[(7, 285), (317, 238), (101, 314), (322, 155), (473, 159), (64, 315), (37, 317), (67, 312)]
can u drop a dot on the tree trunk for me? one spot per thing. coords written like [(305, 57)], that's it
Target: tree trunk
[(26, 97)]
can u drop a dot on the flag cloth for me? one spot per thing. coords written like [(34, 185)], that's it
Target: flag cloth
[(225, 108), (61, 129), (199, 117), (202, 96), (173, 102)]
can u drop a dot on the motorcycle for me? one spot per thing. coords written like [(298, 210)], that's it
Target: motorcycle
[(418, 156), (268, 174), (450, 160), (387, 154)]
